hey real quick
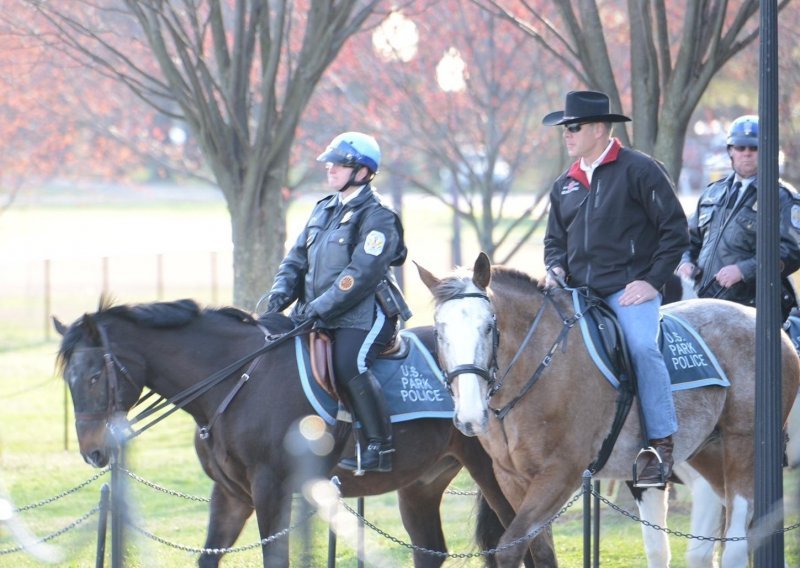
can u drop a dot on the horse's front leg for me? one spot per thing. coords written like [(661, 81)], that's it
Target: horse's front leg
[(273, 504), (652, 503), (543, 497), (708, 516), (478, 464), (227, 516)]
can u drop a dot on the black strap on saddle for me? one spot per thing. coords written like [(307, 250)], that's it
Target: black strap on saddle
[(602, 318)]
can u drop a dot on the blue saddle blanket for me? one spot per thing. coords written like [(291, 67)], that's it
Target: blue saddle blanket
[(690, 362), (412, 384)]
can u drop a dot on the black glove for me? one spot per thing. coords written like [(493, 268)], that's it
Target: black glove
[(275, 303), (309, 315)]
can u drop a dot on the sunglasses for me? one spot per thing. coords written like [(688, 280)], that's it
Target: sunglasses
[(575, 127), (743, 148)]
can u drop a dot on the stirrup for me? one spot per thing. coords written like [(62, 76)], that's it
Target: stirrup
[(649, 450), (384, 460)]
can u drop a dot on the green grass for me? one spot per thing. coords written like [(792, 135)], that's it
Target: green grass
[(39, 458)]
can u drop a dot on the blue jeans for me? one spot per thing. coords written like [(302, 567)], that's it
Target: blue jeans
[(639, 325)]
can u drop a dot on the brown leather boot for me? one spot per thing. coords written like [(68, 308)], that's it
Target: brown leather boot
[(658, 464)]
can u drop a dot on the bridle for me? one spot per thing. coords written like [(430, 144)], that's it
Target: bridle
[(162, 407), (113, 368), (488, 374)]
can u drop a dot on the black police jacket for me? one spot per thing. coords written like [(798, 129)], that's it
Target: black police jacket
[(720, 236), (339, 259)]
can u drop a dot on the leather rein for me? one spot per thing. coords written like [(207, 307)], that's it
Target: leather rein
[(114, 368)]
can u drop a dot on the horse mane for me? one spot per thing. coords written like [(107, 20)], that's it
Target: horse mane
[(502, 277), (154, 315), (505, 277)]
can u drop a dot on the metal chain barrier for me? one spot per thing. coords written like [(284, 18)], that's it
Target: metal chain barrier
[(56, 534), (681, 534), (463, 555), (75, 489), (361, 518), (220, 551), (157, 487)]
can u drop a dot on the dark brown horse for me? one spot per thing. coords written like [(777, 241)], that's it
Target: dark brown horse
[(558, 408), (108, 357)]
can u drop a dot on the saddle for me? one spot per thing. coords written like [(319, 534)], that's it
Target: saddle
[(605, 333), (320, 348)]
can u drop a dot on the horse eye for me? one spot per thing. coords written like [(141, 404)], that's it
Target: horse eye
[(94, 378)]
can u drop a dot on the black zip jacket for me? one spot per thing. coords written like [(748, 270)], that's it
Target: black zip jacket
[(628, 225)]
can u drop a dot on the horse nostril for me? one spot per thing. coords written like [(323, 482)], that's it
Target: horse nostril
[(95, 458)]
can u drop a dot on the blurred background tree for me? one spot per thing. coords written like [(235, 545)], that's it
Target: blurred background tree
[(244, 95)]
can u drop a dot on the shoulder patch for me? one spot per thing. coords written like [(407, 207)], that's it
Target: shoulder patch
[(796, 216), (374, 243), (346, 283)]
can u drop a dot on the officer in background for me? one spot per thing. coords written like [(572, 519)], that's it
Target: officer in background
[(721, 258), (339, 271)]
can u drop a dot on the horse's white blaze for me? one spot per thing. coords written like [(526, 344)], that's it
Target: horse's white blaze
[(735, 552), (463, 322)]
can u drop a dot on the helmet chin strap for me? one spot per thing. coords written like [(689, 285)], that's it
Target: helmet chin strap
[(352, 181)]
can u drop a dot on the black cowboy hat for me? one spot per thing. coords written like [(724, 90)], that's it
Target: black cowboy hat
[(583, 106)]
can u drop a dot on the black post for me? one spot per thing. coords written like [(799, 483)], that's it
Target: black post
[(332, 537), (102, 524), (117, 508), (587, 519), (768, 450), (117, 435), (360, 547), (596, 526)]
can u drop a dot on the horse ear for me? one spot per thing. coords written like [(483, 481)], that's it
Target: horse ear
[(60, 327), (427, 278), (482, 271), (91, 328)]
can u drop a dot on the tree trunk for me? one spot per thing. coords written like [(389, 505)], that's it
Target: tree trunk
[(259, 236)]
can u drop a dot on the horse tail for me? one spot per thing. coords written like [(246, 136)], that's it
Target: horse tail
[(488, 529)]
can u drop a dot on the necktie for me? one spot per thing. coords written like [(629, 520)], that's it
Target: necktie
[(733, 195)]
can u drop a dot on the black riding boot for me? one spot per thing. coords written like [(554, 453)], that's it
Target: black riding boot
[(369, 407)]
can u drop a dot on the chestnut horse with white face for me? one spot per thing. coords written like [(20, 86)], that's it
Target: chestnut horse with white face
[(558, 407)]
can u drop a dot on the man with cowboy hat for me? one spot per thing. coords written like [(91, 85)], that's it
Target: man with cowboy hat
[(617, 227)]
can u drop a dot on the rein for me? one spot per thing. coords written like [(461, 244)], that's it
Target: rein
[(183, 398), (568, 324)]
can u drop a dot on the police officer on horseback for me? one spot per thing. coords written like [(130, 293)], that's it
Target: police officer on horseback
[(721, 258), (339, 271)]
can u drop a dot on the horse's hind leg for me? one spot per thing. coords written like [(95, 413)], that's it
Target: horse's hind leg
[(738, 456), (227, 516)]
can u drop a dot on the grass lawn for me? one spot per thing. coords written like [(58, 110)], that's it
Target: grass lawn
[(126, 250)]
